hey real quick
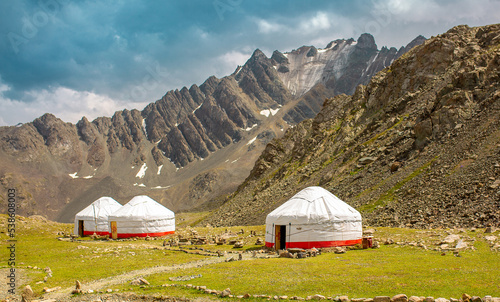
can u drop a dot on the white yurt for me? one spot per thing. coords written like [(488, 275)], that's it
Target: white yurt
[(140, 217), (94, 218), (313, 217)]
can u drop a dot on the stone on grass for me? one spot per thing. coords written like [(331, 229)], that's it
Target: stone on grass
[(344, 299), (318, 297), (382, 299), (441, 300), (28, 292), (415, 299), (399, 298), (339, 250), (225, 293)]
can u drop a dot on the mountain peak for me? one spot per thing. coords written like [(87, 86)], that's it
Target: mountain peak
[(258, 54), (366, 41)]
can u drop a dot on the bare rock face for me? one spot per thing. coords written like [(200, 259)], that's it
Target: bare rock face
[(341, 66)]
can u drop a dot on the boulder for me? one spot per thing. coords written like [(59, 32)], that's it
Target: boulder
[(451, 238), (318, 297), (27, 293), (399, 298), (395, 166), (339, 250), (286, 254), (415, 299), (225, 293), (366, 160), (382, 299)]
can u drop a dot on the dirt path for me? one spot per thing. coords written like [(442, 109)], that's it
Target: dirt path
[(129, 276)]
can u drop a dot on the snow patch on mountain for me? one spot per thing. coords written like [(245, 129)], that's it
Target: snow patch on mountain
[(142, 171)]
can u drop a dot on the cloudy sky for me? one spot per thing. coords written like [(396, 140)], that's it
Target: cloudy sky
[(91, 58)]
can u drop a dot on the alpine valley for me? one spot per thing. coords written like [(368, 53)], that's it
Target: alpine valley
[(195, 146)]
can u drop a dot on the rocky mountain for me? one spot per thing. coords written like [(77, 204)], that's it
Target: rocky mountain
[(418, 146), (190, 146)]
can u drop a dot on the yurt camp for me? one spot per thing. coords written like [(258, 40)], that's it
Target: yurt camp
[(94, 218), (313, 217), (141, 217)]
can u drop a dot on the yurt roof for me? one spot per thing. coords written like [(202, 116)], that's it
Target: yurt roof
[(313, 205), (99, 209), (142, 208)]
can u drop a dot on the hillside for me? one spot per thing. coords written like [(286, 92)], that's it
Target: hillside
[(190, 146), (418, 146)]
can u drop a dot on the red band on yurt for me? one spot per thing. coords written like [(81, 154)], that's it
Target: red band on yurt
[(318, 244), (128, 235)]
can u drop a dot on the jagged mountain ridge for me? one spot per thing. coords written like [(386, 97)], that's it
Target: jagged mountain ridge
[(418, 146), (142, 151)]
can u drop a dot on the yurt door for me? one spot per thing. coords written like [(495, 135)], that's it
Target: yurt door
[(280, 239), (80, 228), (114, 230)]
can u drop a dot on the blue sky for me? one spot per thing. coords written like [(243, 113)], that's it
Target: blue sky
[(91, 58)]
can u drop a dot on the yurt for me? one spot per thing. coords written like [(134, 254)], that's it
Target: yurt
[(94, 218), (140, 217), (313, 217)]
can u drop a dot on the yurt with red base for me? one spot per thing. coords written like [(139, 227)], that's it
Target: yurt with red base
[(94, 218), (141, 217), (313, 217)]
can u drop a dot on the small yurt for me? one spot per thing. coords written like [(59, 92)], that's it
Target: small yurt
[(313, 217), (94, 218), (140, 217)]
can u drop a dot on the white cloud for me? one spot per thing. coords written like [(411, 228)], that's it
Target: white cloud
[(319, 22), (234, 58), (67, 104), (267, 27)]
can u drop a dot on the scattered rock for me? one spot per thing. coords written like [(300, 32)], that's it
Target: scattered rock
[(49, 290), (490, 238), (495, 184), (369, 232), (28, 293), (343, 299), (318, 297), (286, 254), (139, 281), (395, 166), (451, 238), (382, 299), (399, 298), (415, 299), (366, 160), (339, 250), (225, 293)]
